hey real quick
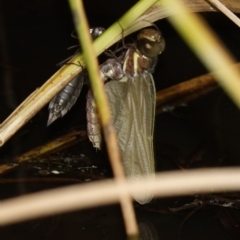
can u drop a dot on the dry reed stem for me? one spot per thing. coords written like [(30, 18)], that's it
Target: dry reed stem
[(167, 184), (185, 92), (188, 90), (64, 75)]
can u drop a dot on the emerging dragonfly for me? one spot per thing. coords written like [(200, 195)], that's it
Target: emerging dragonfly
[(132, 100), (66, 98)]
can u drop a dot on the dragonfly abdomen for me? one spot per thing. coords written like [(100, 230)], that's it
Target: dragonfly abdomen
[(93, 125), (110, 69), (65, 99)]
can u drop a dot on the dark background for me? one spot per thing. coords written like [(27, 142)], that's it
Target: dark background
[(34, 36)]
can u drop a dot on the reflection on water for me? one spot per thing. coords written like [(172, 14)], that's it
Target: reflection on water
[(147, 231)]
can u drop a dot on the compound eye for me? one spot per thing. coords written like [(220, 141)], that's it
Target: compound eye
[(150, 42)]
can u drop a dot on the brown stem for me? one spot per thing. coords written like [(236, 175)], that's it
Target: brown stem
[(187, 91)]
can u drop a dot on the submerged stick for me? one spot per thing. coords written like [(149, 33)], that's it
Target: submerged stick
[(50, 147)]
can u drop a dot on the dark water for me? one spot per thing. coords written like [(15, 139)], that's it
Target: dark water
[(34, 37)]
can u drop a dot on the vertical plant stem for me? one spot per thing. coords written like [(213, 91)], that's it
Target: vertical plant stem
[(82, 29)]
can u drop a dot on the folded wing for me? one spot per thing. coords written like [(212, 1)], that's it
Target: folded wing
[(132, 102)]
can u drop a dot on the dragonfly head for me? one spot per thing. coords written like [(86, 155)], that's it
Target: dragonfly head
[(150, 42)]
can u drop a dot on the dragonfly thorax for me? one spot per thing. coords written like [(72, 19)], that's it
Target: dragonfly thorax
[(141, 58), (135, 63)]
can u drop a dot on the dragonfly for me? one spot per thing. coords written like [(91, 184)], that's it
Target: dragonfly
[(65, 99), (132, 95)]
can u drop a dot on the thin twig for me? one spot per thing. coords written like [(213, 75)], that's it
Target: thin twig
[(226, 11), (167, 184)]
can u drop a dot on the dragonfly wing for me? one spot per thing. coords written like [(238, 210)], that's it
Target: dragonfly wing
[(133, 111)]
